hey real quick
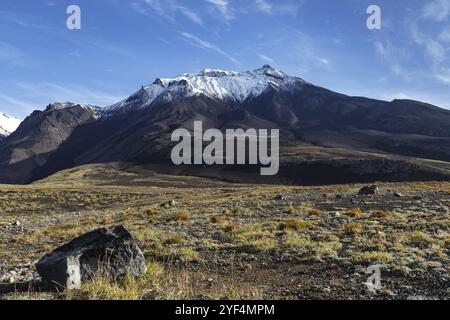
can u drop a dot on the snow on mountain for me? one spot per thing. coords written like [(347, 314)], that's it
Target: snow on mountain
[(214, 83), (8, 124), (66, 105)]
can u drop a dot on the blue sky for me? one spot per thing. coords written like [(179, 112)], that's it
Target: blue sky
[(124, 44)]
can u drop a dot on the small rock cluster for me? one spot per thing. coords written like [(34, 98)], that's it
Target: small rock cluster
[(20, 273), (16, 227)]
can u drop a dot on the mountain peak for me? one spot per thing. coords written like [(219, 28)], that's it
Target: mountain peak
[(214, 83), (59, 106), (65, 105), (217, 73), (270, 71)]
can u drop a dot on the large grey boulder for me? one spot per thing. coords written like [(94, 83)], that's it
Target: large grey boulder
[(109, 252)]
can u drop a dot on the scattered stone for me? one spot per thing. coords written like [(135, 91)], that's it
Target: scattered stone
[(368, 190), (210, 282), (336, 214), (17, 224), (280, 197), (398, 194), (112, 252), (339, 197), (326, 290), (171, 203)]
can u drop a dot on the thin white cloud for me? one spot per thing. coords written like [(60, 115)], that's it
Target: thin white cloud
[(223, 7), (444, 36), (437, 10), (197, 42), (139, 8), (191, 15), (23, 20), (306, 53), (443, 75), (433, 48), (15, 107), (13, 56), (167, 10), (263, 6), (266, 58), (155, 5), (395, 56), (324, 61), (381, 49), (49, 92)]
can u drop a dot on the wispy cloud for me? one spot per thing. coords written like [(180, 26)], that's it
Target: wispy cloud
[(395, 56), (422, 55), (324, 61), (433, 45), (444, 36), (266, 58), (223, 7), (197, 42), (437, 10), (287, 8), (304, 54), (263, 6), (191, 15), (48, 92), (21, 19), (13, 56), (167, 10), (15, 107), (432, 48)]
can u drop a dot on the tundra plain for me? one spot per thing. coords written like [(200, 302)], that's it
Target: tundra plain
[(207, 239)]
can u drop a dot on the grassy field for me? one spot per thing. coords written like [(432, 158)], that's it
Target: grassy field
[(205, 239)]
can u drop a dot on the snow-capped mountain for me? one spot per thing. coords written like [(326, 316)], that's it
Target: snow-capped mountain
[(213, 83), (8, 124), (138, 129)]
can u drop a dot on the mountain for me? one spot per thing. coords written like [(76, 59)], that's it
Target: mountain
[(228, 86), (7, 125), (38, 136), (326, 137)]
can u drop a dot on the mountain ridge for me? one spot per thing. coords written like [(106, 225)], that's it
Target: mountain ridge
[(138, 129)]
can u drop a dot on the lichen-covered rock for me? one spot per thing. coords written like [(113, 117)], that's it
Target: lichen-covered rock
[(111, 252)]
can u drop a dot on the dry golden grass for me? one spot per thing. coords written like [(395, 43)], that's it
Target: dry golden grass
[(294, 224), (353, 228), (184, 237), (379, 214), (355, 213), (315, 212), (216, 218)]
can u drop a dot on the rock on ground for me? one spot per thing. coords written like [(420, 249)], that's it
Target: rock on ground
[(368, 190), (110, 252)]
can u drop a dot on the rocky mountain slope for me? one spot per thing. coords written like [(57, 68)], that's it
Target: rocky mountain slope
[(376, 139), (38, 136)]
